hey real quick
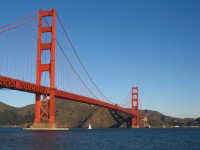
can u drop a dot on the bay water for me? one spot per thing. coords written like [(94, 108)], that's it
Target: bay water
[(101, 139)]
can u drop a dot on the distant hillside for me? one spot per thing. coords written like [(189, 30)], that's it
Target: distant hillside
[(196, 122), (107, 118), (72, 114), (4, 107), (75, 114), (15, 116), (156, 119)]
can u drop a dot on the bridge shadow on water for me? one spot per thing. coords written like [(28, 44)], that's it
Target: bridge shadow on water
[(119, 119)]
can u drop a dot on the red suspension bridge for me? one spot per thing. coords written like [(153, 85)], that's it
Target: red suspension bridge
[(59, 70)]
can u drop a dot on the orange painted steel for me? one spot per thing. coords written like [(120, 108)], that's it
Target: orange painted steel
[(135, 119), (10, 83), (45, 106), (19, 85), (45, 96)]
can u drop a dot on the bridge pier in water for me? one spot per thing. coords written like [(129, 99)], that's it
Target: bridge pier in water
[(45, 103)]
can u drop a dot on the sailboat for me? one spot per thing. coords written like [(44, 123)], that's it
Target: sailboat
[(90, 127)]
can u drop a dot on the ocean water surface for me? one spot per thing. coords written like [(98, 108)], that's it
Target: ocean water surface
[(101, 139)]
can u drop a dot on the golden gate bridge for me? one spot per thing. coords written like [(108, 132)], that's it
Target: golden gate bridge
[(49, 66)]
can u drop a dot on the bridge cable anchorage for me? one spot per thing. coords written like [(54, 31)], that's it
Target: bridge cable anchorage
[(23, 18), (59, 20), (18, 25)]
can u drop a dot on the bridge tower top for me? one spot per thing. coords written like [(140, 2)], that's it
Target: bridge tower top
[(46, 46)]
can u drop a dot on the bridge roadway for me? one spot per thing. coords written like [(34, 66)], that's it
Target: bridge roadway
[(10, 83)]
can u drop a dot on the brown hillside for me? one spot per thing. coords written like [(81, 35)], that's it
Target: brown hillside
[(156, 119), (4, 107), (72, 114), (29, 109), (106, 118), (75, 114)]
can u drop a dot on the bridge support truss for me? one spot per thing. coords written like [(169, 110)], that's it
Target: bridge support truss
[(135, 119), (45, 105)]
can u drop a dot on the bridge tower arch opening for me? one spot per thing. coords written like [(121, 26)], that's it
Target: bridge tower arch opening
[(45, 103)]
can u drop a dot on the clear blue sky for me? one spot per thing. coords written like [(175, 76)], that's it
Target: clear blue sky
[(123, 43)]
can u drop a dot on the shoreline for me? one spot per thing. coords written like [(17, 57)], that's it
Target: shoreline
[(10, 126)]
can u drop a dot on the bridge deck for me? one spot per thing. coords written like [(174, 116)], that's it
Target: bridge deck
[(19, 85)]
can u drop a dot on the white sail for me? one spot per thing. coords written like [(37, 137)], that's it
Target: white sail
[(90, 127)]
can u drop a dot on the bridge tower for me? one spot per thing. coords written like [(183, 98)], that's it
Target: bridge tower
[(135, 119), (44, 108)]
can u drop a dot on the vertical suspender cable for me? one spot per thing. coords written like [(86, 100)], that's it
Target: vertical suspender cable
[(80, 59)]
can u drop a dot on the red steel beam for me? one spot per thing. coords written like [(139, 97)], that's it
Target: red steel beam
[(10, 83), (87, 100)]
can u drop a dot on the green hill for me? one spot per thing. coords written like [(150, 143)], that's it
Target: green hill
[(156, 119), (75, 114)]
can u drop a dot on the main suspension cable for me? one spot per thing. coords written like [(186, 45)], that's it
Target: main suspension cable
[(18, 25), (126, 98), (75, 70), (18, 20), (80, 59)]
